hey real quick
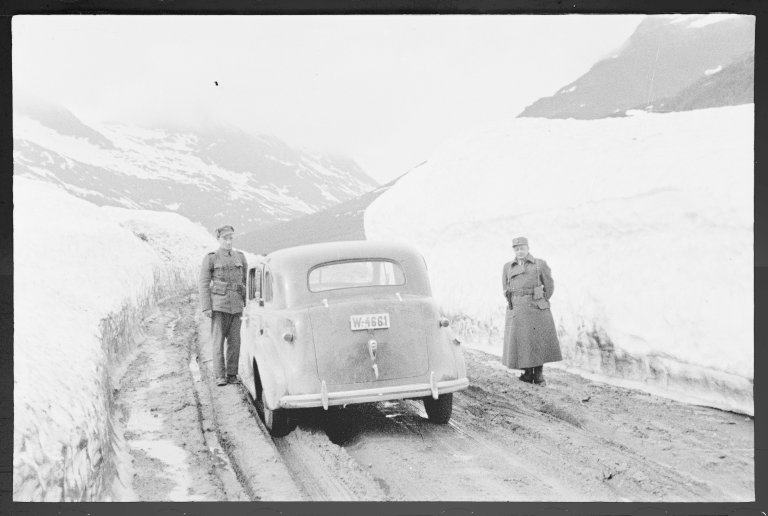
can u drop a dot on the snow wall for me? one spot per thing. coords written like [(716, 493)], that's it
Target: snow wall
[(646, 222), (84, 277)]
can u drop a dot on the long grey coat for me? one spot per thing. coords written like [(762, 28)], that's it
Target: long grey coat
[(530, 337)]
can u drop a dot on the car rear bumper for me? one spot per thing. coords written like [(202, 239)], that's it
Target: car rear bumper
[(417, 390)]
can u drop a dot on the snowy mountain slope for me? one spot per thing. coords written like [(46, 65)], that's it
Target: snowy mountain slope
[(646, 222), (344, 221), (220, 175), (731, 85), (665, 54)]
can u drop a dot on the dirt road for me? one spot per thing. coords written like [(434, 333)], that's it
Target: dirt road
[(173, 449), (573, 440)]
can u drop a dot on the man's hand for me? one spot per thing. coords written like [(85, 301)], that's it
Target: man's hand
[(207, 313)]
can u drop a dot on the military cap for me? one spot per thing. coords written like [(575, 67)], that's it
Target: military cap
[(224, 230), (519, 241)]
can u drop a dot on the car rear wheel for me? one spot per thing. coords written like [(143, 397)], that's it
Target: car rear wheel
[(277, 421), (439, 410)]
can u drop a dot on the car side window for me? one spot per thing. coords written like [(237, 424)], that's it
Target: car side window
[(254, 283), (267, 286)]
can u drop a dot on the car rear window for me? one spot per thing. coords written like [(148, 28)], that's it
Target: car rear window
[(357, 273)]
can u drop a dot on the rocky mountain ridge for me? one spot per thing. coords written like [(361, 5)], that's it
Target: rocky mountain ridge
[(663, 57), (214, 176)]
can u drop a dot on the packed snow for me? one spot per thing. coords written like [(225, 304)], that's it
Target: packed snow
[(713, 71), (75, 264), (646, 222)]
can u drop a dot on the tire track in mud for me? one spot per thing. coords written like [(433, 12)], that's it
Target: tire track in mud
[(322, 470), (326, 471), (414, 459), (508, 440), (491, 471)]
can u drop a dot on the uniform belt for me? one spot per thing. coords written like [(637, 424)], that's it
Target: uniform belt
[(230, 285), (522, 292)]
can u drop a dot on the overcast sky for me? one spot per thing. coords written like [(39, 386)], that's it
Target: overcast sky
[(383, 90)]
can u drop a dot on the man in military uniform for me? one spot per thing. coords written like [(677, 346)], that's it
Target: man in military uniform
[(222, 298), (530, 337)]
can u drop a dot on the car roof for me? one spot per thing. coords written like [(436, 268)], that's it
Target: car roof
[(312, 254), (289, 267)]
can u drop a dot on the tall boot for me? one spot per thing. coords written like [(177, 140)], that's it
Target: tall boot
[(538, 375), (527, 375)]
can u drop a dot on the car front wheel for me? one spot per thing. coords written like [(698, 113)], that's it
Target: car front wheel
[(439, 410)]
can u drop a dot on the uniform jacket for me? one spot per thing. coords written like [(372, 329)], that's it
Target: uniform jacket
[(530, 337), (222, 281)]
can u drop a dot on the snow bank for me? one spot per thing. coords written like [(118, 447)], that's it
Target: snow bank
[(646, 222), (82, 276)]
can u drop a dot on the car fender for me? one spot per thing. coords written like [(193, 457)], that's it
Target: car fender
[(271, 372)]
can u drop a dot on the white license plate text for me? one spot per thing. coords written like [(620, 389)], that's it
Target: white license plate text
[(368, 321)]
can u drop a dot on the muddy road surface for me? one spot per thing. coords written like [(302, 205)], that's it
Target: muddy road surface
[(571, 440), (167, 430)]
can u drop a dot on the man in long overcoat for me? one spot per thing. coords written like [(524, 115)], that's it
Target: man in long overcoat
[(222, 298), (530, 337)]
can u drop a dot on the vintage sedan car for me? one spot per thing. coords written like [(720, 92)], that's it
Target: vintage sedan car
[(341, 323)]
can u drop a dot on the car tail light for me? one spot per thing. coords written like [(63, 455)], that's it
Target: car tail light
[(289, 331), (444, 323)]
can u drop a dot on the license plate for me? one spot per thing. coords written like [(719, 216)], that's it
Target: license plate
[(369, 321)]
